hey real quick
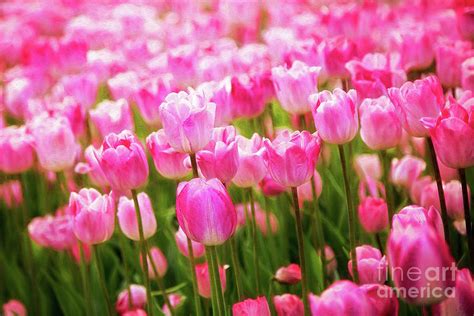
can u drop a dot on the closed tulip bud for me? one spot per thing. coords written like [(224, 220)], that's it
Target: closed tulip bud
[(454, 201), (175, 300), (204, 282), (373, 214), (168, 162), (383, 299), (417, 188), (94, 216), (248, 307), (291, 158), (429, 196), (112, 117), (123, 161), (417, 216), (449, 55), (421, 265), (270, 187), (220, 158), (205, 211), (380, 127), (368, 166), (341, 298), (149, 95), (188, 119), (182, 243), (452, 133), (127, 217), (372, 267), (288, 305), (406, 170), (11, 193), (14, 308), (158, 262), (335, 115), (252, 167), (126, 303), (331, 262), (247, 96), (55, 144), (92, 168), (416, 100), (54, 232), (17, 150), (289, 275), (293, 86)]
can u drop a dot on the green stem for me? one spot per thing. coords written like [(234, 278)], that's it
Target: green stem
[(256, 261), (388, 188), (235, 263), (85, 281), (197, 304), (439, 184), (99, 266), (143, 253), (212, 280), (317, 224), (125, 268), (299, 235), (467, 218), (220, 293), (351, 217)]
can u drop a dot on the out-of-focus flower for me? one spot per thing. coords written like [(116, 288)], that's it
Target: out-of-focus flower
[(54, 232), (204, 282), (175, 300), (137, 300), (127, 217), (383, 298), (156, 262), (460, 303), (17, 150), (149, 96), (305, 191), (11, 193), (336, 52), (288, 305), (14, 308), (368, 166), (467, 74), (290, 274), (220, 94), (247, 98), (248, 307), (449, 57), (123, 85), (91, 167), (371, 265), (252, 167), (406, 170), (112, 117), (182, 243), (373, 214), (265, 219)]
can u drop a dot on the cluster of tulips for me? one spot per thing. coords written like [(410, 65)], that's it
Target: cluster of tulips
[(236, 157)]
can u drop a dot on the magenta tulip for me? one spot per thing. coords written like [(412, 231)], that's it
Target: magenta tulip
[(149, 95), (247, 98), (204, 282), (417, 216), (288, 305), (289, 275), (383, 299), (449, 55), (54, 232), (182, 243), (220, 94), (405, 172), (17, 151), (127, 217), (92, 168), (137, 299), (251, 163), (373, 214), (159, 263), (14, 308), (112, 117), (249, 307), (372, 266)]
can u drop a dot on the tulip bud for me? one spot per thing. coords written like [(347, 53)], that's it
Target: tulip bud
[(335, 115), (373, 214), (204, 282), (205, 211), (11, 193), (159, 263), (288, 304), (112, 117), (251, 163), (258, 306), (383, 299), (182, 243), (14, 308), (406, 171), (175, 300), (454, 199), (94, 216), (123, 161), (368, 166), (372, 267), (137, 299), (289, 275), (331, 262), (17, 150), (127, 217)]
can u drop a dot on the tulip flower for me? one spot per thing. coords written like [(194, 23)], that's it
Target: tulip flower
[(305, 191), (188, 119), (405, 172), (11, 193), (331, 264), (17, 93), (258, 306), (137, 299), (14, 308), (380, 127), (371, 265), (373, 214), (182, 243), (288, 305), (289, 275), (335, 115), (293, 86), (247, 98), (270, 187), (460, 301), (17, 151), (467, 74), (127, 217), (54, 232), (416, 216), (417, 188), (416, 100), (336, 52), (454, 202), (157, 263), (251, 163), (383, 298), (261, 217), (449, 55), (341, 298), (220, 94), (204, 282), (112, 117), (205, 211), (54, 142), (94, 216), (123, 161), (368, 166), (175, 300), (82, 87), (148, 97), (92, 168), (123, 85)]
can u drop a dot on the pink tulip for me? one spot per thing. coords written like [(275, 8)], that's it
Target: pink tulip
[(336, 52), (92, 168), (149, 95), (17, 150), (374, 74), (291, 158), (429, 196), (452, 133), (293, 86), (248, 307), (182, 63), (127, 217), (261, 216), (17, 93), (94, 216), (335, 115), (14, 308), (288, 305), (331, 264), (417, 188), (123, 161), (175, 300), (372, 267), (454, 201), (137, 299), (289, 275), (383, 299), (418, 216), (449, 56), (251, 163), (182, 243), (82, 87), (305, 191), (220, 94), (416, 100), (123, 85), (204, 282), (447, 174), (54, 142), (341, 298), (112, 117), (188, 119), (11, 193), (205, 211), (368, 166), (467, 74), (461, 299), (156, 261), (415, 45), (81, 252), (405, 172), (380, 127), (135, 312), (247, 98), (168, 162), (270, 187), (421, 266), (373, 214), (220, 158), (54, 232)]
